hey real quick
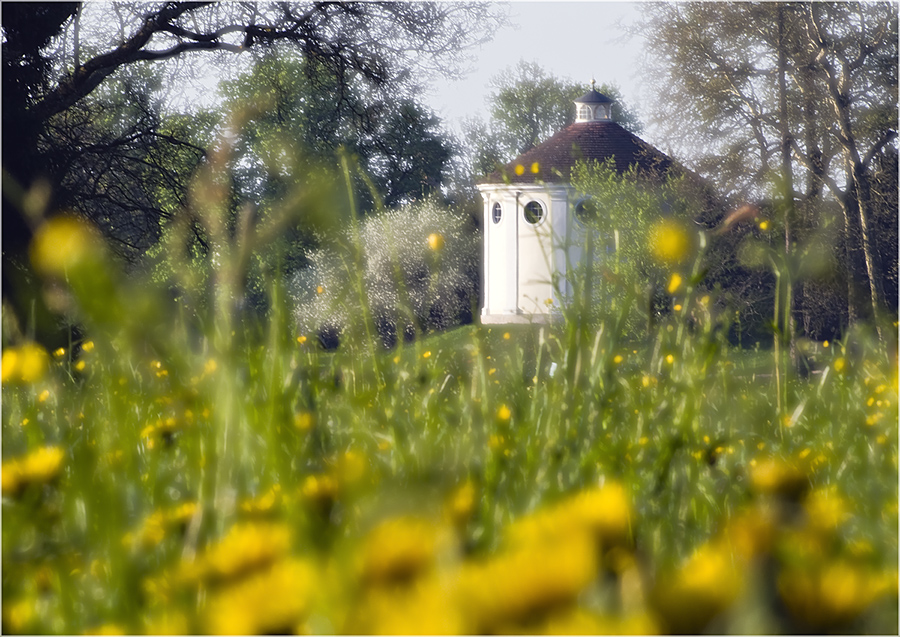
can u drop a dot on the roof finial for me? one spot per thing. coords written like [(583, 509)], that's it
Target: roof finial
[(592, 82)]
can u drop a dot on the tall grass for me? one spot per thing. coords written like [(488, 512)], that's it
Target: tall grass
[(187, 467)]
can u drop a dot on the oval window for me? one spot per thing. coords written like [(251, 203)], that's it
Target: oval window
[(586, 211), (534, 212), (496, 213)]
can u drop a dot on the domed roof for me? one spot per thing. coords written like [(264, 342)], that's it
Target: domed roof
[(597, 140), (594, 97)]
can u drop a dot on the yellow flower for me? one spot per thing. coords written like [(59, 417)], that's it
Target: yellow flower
[(44, 396), (535, 168), (421, 608), (320, 489), (63, 244), (272, 602), (87, 346), (461, 503), (832, 596), (763, 225), (301, 339), (319, 289), (26, 364), (264, 504), (774, 476), (670, 242), (427, 354), (246, 548), (617, 359), (304, 420), (435, 242), (520, 169), (39, 467), (398, 549), (704, 586), (674, 283), (670, 359), (826, 510), (839, 364), (677, 307), (504, 413), (525, 583), (506, 336)]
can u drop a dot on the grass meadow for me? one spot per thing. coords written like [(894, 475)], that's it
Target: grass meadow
[(179, 468)]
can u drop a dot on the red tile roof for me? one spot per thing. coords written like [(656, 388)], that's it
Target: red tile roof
[(595, 140)]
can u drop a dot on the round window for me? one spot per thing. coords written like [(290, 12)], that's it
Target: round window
[(496, 213), (534, 212), (586, 211)]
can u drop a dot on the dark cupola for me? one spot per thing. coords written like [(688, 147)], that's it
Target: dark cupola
[(593, 106)]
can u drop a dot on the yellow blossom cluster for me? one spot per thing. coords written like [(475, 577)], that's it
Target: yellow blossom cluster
[(156, 525), (27, 363), (41, 466)]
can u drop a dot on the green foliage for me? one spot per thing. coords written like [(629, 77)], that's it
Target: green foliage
[(640, 233), (296, 112)]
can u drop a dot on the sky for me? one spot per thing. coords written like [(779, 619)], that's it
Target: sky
[(574, 40)]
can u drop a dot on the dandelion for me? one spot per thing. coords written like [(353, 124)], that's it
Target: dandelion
[(321, 490), (677, 307), (272, 602), (319, 289), (59, 352), (42, 466), (427, 354), (669, 242), (520, 169), (535, 168), (839, 364), (398, 549), (87, 346), (506, 336), (704, 586), (63, 244), (301, 339), (44, 395), (461, 503), (26, 364), (264, 504), (247, 547), (764, 225), (617, 359), (504, 414), (435, 242), (674, 283), (304, 420), (525, 583), (670, 359), (774, 476), (833, 595)]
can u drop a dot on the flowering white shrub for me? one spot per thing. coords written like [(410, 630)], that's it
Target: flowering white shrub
[(410, 269)]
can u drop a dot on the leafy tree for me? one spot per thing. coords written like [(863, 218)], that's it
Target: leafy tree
[(47, 74), (301, 110), (798, 99), (528, 106)]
